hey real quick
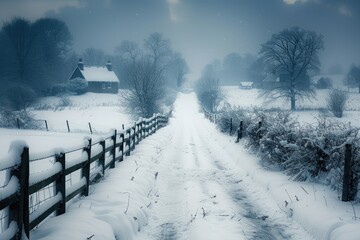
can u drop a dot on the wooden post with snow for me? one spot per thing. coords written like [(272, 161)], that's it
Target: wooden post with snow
[(86, 169), (113, 150), (121, 148), (231, 126), (19, 210), (102, 158), (128, 142), (46, 125), (68, 126), (240, 132), (90, 128), (258, 133), (60, 183), (18, 123), (133, 137), (346, 196)]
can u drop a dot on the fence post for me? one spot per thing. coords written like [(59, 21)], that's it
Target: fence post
[(155, 123), (102, 158), (67, 124), (86, 169), (46, 125), (240, 132), (133, 138), (259, 134), (142, 129), (18, 123), (19, 210), (121, 148), (60, 183), (128, 142), (90, 128), (231, 125), (113, 151), (346, 196)]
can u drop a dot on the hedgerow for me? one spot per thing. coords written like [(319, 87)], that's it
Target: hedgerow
[(303, 151)]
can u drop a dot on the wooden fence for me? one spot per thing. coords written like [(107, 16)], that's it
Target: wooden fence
[(56, 183), (347, 185)]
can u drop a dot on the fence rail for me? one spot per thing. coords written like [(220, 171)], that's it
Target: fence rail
[(93, 160)]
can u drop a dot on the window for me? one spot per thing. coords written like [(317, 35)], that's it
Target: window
[(103, 86), (109, 84)]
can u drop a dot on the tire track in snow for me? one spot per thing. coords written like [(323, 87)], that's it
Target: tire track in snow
[(198, 195)]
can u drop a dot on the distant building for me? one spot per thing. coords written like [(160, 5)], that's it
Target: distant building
[(100, 79), (246, 85)]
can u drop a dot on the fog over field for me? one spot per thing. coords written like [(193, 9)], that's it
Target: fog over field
[(179, 119)]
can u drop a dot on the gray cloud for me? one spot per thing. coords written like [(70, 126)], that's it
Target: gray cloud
[(202, 29)]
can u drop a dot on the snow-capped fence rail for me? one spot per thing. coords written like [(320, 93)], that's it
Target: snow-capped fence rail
[(302, 152), (30, 196)]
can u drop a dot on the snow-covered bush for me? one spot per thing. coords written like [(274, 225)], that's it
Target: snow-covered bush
[(77, 86), (279, 136), (8, 119), (58, 89), (231, 114), (324, 83), (20, 96), (302, 151), (336, 102)]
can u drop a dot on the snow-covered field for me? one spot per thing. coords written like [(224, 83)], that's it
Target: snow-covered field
[(103, 111), (308, 109), (189, 181)]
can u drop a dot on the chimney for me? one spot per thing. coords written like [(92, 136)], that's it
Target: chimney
[(109, 66), (81, 64)]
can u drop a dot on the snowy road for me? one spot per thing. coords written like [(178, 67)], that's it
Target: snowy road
[(201, 190)]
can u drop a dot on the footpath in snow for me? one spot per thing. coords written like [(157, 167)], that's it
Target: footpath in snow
[(188, 181)]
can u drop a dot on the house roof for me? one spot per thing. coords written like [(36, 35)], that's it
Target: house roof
[(99, 74), (246, 84)]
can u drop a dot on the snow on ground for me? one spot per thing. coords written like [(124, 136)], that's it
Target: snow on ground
[(103, 111), (189, 181)]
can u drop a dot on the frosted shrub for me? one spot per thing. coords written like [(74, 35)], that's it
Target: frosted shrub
[(280, 135), (229, 112), (301, 151), (8, 119), (77, 86), (336, 102)]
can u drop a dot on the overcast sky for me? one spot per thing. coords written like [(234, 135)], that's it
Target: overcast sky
[(202, 30)]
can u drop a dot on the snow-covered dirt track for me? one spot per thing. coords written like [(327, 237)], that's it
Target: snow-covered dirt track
[(201, 190)]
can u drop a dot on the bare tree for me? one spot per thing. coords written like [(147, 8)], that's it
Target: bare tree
[(144, 69), (336, 102), (33, 53), (293, 52), (94, 57), (16, 50), (208, 88), (175, 73), (354, 75)]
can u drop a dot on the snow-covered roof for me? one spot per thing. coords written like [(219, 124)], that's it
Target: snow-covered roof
[(99, 74), (246, 84)]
